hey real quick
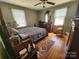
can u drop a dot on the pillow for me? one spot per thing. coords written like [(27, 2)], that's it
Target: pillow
[(14, 31), (22, 35)]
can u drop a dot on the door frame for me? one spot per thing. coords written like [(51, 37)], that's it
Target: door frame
[(5, 38)]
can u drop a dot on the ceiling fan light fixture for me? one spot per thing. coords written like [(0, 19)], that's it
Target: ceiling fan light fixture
[(44, 2), (43, 6)]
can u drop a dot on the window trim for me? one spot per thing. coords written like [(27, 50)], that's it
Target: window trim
[(15, 20), (60, 16)]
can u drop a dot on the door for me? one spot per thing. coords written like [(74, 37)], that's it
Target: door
[(5, 38)]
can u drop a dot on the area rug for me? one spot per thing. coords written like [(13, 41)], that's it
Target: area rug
[(44, 49)]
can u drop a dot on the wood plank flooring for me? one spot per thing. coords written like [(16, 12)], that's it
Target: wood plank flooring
[(57, 50)]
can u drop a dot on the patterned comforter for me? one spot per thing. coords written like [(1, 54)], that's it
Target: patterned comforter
[(25, 32)]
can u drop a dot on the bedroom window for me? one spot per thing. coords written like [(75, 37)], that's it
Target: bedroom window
[(19, 17), (59, 16), (46, 17)]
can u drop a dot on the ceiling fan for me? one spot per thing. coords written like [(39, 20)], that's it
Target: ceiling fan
[(44, 2)]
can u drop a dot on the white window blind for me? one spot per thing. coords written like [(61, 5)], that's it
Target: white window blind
[(19, 17), (59, 16), (46, 18)]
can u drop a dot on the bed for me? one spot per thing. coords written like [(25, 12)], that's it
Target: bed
[(37, 32)]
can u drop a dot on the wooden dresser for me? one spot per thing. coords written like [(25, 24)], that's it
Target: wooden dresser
[(24, 45)]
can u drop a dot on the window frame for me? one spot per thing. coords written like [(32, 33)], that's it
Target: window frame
[(60, 16), (24, 17)]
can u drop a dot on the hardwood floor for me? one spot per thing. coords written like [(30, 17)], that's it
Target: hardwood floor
[(57, 50)]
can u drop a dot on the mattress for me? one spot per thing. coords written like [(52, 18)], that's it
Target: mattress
[(26, 32)]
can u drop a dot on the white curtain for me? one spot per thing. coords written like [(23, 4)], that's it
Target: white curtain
[(59, 16), (19, 17)]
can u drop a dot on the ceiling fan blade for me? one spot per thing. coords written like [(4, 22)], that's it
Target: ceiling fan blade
[(50, 3), (37, 3), (43, 0)]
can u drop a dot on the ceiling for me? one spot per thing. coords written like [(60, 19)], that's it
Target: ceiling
[(31, 3)]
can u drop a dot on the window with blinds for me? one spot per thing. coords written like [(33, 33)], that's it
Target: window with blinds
[(19, 17), (59, 16)]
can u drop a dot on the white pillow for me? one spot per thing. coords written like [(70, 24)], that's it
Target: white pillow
[(13, 30)]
